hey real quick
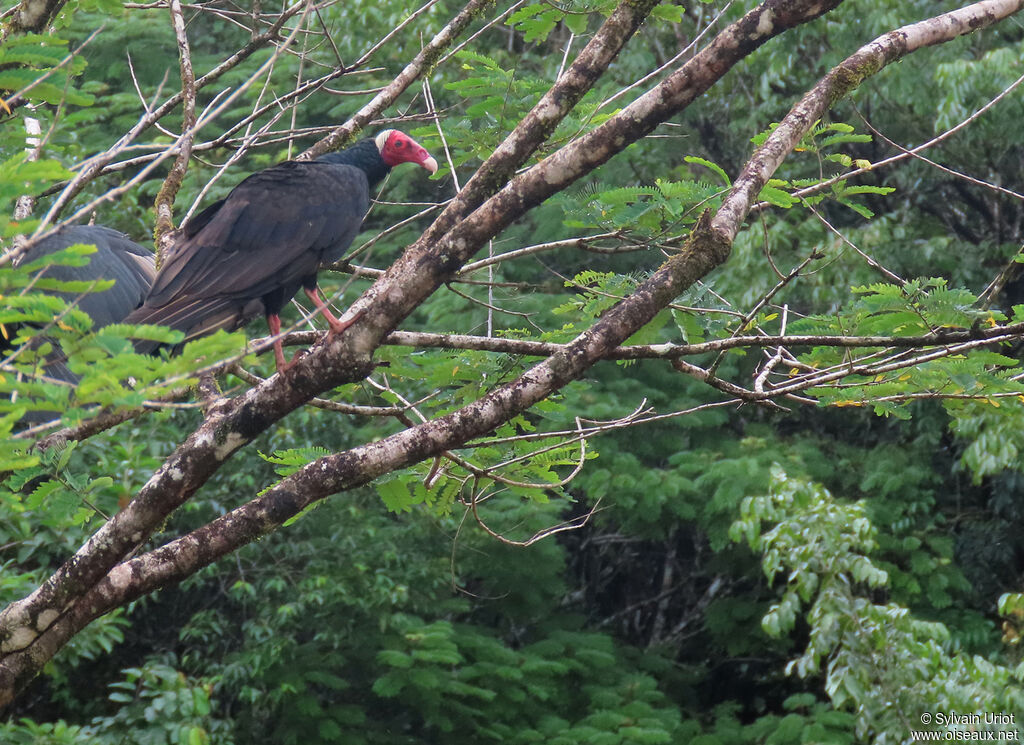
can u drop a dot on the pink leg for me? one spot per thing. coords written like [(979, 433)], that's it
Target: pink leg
[(336, 326), (274, 322)]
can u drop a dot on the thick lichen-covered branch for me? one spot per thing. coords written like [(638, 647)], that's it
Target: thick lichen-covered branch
[(430, 262), (28, 626)]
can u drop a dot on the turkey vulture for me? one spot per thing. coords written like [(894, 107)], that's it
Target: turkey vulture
[(250, 252), (117, 257)]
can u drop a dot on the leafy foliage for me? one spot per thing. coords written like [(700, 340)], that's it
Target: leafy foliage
[(823, 546)]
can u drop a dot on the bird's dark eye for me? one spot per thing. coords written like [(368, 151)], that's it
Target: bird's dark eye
[(400, 143)]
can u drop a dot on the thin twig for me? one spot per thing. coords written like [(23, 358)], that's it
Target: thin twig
[(323, 403)]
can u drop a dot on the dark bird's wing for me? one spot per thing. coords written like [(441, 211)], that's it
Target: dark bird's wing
[(198, 222), (117, 257)]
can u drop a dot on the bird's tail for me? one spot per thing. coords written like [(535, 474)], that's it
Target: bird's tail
[(194, 316)]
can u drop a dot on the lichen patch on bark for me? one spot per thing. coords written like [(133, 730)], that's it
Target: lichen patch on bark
[(47, 617), (20, 638), (766, 23)]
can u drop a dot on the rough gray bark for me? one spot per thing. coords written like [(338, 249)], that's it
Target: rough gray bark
[(29, 632), (33, 16), (433, 258), (98, 578)]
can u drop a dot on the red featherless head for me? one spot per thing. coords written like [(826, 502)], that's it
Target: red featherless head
[(397, 147)]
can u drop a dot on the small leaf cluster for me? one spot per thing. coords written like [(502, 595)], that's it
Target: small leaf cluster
[(822, 142), (916, 308), (645, 213), (34, 65), (537, 21)]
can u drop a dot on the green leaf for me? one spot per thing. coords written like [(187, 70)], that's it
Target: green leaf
[(668, 12), (776, 196), (396, 495), (576, 22), (708, 164)]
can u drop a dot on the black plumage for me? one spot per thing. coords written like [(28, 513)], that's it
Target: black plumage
[(250, 252), (117, 257)]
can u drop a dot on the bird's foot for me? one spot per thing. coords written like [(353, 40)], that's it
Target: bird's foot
[(283, 366), (338, 326)]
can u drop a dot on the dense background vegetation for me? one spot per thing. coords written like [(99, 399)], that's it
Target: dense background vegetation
[(807, 573)]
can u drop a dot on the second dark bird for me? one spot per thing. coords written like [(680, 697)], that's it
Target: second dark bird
[(117, 257), (249, 253)]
